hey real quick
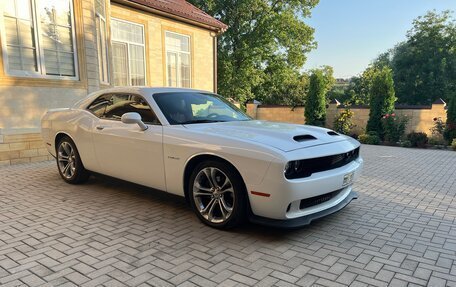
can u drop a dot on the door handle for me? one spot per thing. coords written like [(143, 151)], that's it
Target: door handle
[(100, 128)]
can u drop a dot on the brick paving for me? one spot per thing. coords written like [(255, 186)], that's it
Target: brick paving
[(400, 232)]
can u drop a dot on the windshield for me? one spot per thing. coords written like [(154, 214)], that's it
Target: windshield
[(194, 107)]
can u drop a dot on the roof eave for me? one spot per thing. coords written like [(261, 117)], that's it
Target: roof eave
[(218, 30)]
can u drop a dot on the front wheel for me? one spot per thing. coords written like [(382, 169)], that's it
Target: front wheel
[(217, 195), (69, 162)]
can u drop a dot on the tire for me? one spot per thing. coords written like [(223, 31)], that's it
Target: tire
[(69, 162), (222, 204)]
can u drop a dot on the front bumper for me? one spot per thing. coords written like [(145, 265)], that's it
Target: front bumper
[(285, 196), (303, 220)]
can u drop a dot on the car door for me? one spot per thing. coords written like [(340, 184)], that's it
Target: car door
[(124, 150)]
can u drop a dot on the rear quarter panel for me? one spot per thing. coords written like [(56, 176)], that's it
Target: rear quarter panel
[(75, 123)]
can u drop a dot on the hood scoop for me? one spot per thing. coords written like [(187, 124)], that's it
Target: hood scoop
[(333, 133), (303, 138)]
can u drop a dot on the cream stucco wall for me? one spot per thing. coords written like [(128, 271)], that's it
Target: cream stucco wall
[(22, 107), (156, 26), (23, 100)]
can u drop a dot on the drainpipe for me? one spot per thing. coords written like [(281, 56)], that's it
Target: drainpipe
[(214, 44)]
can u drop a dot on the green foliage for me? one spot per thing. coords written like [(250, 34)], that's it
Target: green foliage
[(264, 48), (285, 86), (343, 122), (438, 128), (363, 86), (437, 131), (418, 139), (357, 90), (315, 110), (382, 98), (369, 139), (453, 144), (450, 130), (424, 66), (393, 127), (436, 141), (405, 143)]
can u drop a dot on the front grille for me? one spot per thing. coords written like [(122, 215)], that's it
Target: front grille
[(308, 202), (307, 167)]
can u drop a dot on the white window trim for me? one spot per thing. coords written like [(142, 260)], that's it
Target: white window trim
[(103, 18), (128, 48), (41, 73), (178, 80)]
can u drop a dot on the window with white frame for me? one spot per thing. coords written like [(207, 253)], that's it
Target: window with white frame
[(128, 53), (38, 38), (178, 60), (102, 47)]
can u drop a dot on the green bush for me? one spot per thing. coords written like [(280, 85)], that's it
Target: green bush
[(369, 139), (436, 140), (405, 143), (315, 111), (450, 131), (453, 145), (382, 99), (393, 127), (418, 139), (439, 127), (343, 122)]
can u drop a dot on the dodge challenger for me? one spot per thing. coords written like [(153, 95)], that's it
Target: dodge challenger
[(229, 167)]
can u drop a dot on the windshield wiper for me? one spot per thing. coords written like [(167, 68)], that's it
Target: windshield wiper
[(200, 122)]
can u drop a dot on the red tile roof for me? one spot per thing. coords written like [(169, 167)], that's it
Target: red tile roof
[(183, 9)]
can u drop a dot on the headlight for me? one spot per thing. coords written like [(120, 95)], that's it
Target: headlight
[(306, 167), (293, 168)]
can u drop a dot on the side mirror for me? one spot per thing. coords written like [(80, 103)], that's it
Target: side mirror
[(134, 118)]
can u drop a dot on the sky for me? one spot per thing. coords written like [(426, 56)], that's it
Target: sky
[(352, 33)]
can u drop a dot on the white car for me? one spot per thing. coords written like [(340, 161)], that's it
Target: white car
[(198, 145)]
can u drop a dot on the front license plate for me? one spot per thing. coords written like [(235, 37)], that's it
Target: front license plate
[(348, 178)]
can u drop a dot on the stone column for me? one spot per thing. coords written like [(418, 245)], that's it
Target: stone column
[(252, 108), (331, 113)]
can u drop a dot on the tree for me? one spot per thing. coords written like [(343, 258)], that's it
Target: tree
[(382, 99), (282, 85), (315, 110), (266, 40), (450, 130), (424, 66), (357, 91)]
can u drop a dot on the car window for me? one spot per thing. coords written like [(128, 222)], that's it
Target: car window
[(99, 106), (113, 106), (196, 107)]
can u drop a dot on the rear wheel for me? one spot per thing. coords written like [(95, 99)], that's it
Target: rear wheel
[(217, 194), (69, 162)]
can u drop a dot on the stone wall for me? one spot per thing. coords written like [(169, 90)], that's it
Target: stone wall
[(22, 148), (421, 118)]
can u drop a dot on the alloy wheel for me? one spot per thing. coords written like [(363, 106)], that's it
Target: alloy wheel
[(66, 159), (213, 195)]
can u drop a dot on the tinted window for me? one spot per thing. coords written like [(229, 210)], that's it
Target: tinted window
[(113, 106), (194, 107)]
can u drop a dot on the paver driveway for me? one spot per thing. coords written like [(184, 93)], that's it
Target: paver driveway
[(401, 231)]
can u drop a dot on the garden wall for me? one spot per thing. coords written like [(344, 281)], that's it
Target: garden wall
[(421, 118)]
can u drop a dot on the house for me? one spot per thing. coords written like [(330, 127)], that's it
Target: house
[(55, 52)]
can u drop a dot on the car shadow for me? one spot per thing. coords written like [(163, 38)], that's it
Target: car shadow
[(174, 201)]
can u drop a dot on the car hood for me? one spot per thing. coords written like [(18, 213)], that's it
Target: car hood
[(286, 137)]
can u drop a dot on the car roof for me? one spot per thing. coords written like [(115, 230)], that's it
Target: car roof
[(152, 90), (142, 90)]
